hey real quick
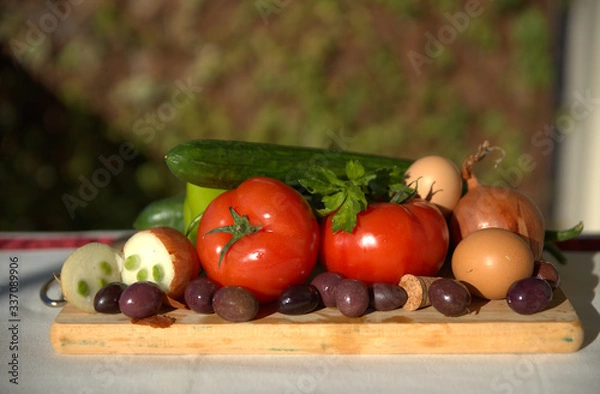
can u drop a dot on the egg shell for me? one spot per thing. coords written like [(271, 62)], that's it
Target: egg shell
[(438, 181), (488, 261)]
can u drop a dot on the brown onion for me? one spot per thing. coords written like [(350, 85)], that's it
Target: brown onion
[(485, 206)]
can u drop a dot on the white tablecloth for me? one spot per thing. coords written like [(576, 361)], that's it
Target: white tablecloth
[(41, 370)]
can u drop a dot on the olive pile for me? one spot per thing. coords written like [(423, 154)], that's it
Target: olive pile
[(350, 296), (236, 304)]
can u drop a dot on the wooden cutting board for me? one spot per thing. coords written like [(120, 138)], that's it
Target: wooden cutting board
[(491, 328)]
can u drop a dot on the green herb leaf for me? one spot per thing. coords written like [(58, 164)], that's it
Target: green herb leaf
[(320, 180), (332, 203), (552, 236), (386, 180), (563, 235), (400, 192), (346, 197), (354, 170)]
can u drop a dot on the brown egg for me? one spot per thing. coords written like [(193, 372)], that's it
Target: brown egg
[(438, 181), (488, 261)]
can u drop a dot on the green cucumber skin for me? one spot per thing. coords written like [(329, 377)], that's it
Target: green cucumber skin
[(225, 164)]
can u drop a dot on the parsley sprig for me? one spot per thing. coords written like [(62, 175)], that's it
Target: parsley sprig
[(348, 196)]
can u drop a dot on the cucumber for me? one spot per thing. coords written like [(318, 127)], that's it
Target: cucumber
[(224, 164)]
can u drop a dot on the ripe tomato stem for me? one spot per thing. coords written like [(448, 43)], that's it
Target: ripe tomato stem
[(240, 228)]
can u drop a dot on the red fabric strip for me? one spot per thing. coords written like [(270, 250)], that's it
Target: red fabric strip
[(50, 242), (580, 244)]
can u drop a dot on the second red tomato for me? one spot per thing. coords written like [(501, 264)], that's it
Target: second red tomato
[(389, 241)]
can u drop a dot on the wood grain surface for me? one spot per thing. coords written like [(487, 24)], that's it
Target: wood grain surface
[(491, 327)]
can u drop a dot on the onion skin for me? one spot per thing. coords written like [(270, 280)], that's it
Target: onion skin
[(495, 206), (183, 257), (485, 206), (169, 248)]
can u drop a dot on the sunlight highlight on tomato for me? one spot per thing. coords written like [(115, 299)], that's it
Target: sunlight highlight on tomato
[(281, 244), (389, 241)]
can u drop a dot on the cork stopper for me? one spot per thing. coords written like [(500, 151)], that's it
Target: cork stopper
[(416, 288)]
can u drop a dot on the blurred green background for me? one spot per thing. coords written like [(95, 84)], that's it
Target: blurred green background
[(81, 82)]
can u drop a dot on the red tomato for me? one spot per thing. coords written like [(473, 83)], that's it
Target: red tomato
[(389, 240), (282, 252)]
